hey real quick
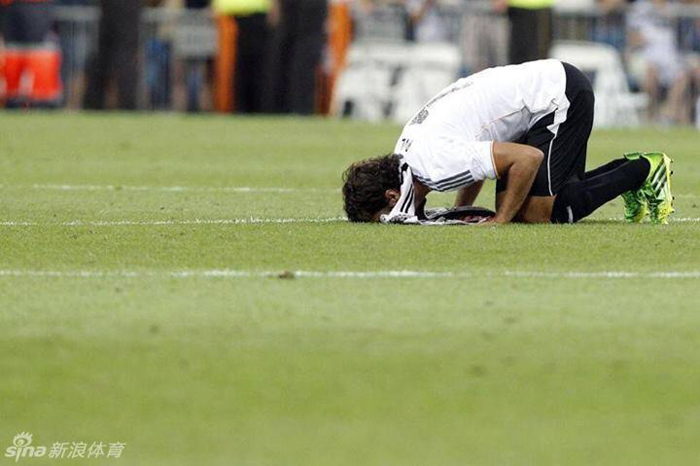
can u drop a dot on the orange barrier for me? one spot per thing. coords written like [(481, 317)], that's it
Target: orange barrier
[(41, 66), (225, 66), (45, 66), (2, 77), (339, 39), (14, 66)]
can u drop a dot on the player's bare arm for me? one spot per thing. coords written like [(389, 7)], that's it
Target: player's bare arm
[(467, 196), (518, 163)]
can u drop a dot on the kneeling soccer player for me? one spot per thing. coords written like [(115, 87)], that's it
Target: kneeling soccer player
[(526, 126)]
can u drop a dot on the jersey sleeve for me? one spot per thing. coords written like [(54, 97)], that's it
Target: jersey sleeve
[(479, 156), (456, 163)]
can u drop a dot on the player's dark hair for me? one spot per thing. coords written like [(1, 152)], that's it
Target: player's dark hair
[(364, 185)]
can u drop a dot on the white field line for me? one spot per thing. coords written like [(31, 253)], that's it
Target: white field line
[(205, 189), (220, 221), (202, 189), (671, 220), (223, 221), (232, 273)]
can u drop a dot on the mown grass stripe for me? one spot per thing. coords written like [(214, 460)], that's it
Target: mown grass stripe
[(233, 273), (220, 221), (234, 221), (204, 189)]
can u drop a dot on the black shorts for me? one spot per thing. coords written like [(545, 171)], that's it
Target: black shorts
[(565, 149)]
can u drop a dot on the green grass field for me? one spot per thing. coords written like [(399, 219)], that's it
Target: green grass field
[(135, 307)]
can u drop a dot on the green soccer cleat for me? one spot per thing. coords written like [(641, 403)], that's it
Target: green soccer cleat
[(657, 187), (635, 206), (635, 202)]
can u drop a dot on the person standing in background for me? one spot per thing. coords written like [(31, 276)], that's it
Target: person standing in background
[(26, 25), (610, 26), (531, 24), (117, 55), (655, 61), (243, 42), (75, 46), (426, 24), (299, 40), (197, 73)]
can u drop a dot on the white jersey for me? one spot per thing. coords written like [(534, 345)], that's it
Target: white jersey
[(448, 144)]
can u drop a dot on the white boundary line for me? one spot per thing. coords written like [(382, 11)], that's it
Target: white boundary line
[(232, 273), (672, 220), (220, 221), (225, 221), (203, 189)]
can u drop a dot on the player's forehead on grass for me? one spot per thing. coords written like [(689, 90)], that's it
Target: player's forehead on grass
[(368, 186)]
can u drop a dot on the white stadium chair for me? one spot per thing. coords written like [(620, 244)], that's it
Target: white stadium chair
[(393, 80), (431, 68), (615, 104)]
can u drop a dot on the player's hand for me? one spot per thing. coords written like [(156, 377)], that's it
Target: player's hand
[(486, 221)]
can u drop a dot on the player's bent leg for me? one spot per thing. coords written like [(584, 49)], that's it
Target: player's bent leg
[(577, 200), (612, 165), (536, 209), (635, 204)]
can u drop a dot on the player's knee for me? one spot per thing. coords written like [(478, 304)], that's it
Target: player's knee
[(536, 154), (571, 204), (536, 217), (538, 210)]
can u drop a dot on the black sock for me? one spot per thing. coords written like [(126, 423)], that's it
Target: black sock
[(605, 168), (579, 199)]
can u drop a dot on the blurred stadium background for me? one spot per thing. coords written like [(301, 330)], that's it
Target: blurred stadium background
[(187, 285), (367, 59)]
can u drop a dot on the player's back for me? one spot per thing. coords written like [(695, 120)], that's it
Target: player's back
[(448, 143), (497, 104)]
